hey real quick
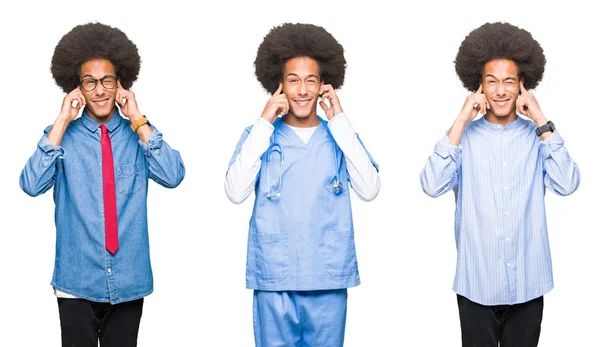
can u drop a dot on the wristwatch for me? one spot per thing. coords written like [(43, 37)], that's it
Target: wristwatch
[(546, 127), (138, 123)]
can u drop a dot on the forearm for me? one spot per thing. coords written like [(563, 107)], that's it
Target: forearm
[(561, 172), (441, 171), (164, 163), (456, 131), (241, 176), (363, 174), (39, 173), (57, 131), (144, 131)]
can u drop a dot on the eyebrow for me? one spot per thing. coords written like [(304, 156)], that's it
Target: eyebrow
[(296, 75), (88, 75), (507, 78)]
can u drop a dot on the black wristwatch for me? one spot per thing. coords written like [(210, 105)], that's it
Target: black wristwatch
[(546, 127)]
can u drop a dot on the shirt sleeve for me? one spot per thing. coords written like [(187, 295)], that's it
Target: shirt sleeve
[(39, 174), (442, 170), (362, 169), (561, 173), (165, 165), (245, 164)]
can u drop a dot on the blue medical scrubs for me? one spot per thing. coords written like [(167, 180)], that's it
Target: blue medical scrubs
[(302, 240)]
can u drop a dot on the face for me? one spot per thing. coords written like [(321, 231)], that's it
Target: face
[(501, 87), (301, 85), (100, 102)]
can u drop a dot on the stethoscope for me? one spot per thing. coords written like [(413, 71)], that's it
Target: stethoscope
[(275, 147)]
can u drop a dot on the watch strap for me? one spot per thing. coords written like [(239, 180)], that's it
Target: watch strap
[(138, 123), (546, 127)]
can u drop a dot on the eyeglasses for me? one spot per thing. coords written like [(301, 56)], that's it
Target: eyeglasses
[(88, 84)]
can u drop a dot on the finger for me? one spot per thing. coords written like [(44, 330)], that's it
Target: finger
[(480, 89), (121, 100), (77, 101), (485, 105), (522, 88), (521, 106), (279, 89), (283, 105), (82, 102), (325, 88), (286, 107), (323, 106)]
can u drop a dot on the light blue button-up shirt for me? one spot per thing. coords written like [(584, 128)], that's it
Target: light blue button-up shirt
[(83, 267), (499, 175)]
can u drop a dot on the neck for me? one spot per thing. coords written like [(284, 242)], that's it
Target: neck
[(306, 122), (492, 118), (102, 120)]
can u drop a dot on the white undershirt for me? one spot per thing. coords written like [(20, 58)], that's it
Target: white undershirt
[(241, 177), (304, 133)]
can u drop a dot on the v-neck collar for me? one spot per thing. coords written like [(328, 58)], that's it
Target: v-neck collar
[(295, 140)]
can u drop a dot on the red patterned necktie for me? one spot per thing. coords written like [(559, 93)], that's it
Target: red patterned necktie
[(110, 198)]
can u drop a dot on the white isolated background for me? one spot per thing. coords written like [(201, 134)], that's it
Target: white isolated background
[(197, 85)]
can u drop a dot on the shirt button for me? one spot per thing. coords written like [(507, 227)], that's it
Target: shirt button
[(508, 265), (109, 270), (507, 239), (506, 213), (504, 163), (505, 188)]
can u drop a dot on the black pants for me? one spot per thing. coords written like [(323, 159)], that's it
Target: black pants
[(511, 325), (83, 323)]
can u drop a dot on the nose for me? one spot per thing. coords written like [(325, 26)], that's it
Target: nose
[(302, 88), (99, 89), (500, 90)]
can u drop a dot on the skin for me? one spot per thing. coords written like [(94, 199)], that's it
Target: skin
[(498, 99), (99, 104), (298, 95)]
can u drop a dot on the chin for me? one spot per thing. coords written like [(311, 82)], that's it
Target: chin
[(299, 115)]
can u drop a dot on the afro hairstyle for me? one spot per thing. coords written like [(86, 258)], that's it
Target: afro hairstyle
[(289, 41), (499, 41), (94, 41)]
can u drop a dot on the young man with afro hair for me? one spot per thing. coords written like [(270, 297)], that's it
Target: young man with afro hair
[(499, 167), (99, 165), (301, 254)]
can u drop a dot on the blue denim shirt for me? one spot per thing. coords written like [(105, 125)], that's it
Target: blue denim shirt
[(83, 267)]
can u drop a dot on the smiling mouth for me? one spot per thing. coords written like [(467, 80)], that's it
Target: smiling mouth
[(302, 103), (501, 102), (101, 102)]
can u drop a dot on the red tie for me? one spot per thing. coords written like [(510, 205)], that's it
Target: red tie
[(110, 198)]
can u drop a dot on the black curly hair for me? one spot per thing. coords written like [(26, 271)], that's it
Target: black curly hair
[(499, 41), (289, 41), (93, 41)]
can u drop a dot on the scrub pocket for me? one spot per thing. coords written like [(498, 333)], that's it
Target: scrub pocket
[(339, 251), (271, 255)]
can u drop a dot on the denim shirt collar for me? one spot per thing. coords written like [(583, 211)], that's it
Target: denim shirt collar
[(93, 125)]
